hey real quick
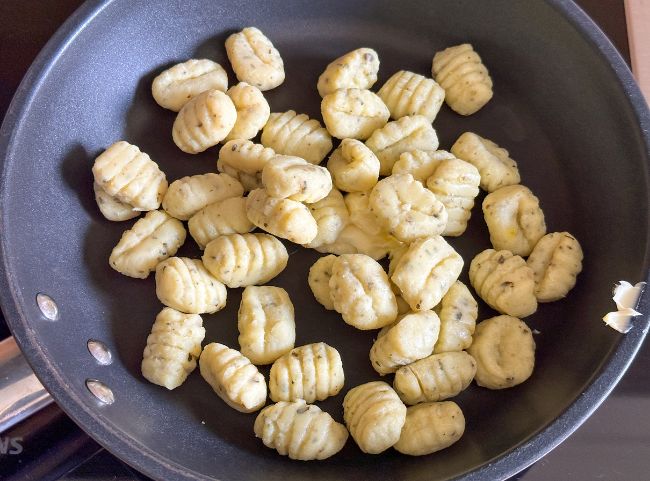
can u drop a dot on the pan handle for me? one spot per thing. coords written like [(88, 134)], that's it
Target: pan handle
[(21, 394)]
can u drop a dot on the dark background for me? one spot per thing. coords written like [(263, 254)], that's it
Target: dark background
[(614, 444)]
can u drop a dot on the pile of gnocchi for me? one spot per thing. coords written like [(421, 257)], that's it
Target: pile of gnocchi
[(387, 190)]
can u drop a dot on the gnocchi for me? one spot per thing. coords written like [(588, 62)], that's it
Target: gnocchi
[(227, 216), (354, 240), (240, 260), (129, 176), (254, 59), (461, 72), (204, 121), (284, 218), (403, 135), (111, 208), (319, 280), (494, 164), (299, 430), (179, 84), (435, 378), (504, 282), (266, 324), (356, 69), (288, 177), (408, 93), (374, 415), (410, 339), (353, 113), (354, 167), (186, 285), (361, 293), (458, 311), (455, 184), (291, 134), (420, 163), (331, 216), (172, 348), (426, 271), (431, 427), (252, 111), (232, 376), (151, 240), (556, 261), (244, 160), (504, 350), (186, 196), (406, 209), (312, 372), (358, 204), (514, 219)]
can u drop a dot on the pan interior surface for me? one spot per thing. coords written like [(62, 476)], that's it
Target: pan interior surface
[(559, 108)]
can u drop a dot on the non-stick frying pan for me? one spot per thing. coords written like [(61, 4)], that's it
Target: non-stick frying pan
[(565, 106)]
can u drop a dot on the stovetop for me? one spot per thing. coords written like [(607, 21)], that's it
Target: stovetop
[(613, 445)]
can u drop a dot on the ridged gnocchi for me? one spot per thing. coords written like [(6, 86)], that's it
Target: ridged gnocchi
[(151, 240), (252, 111), (353, 113), (354, 167), (420, 163), (504, 281), (284, 218), (172, 348), (406, 209), (407, 133), (434, 378), (410, 339), (426, 271), (375, 415), (504, 350), (240, 260), (185, 285), (289, 177), (461, 72), (179, 84), (227, 216), (266, 324), (494, 164), (299, 430), (356, 69), (111, 208), (358, 204), (331, 216), (312, 372), (232, 376), (455, 184), (514, 218), (244, 161), (556, 261), (204, 121), (319, 280), (408, 93), (354, 240), (361, 293), (291, 134), (188, 195), (130, 176), (254, 59), (458, 311), (431, 427)]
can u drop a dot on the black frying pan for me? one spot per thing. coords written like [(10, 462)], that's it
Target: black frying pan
[(565, 106)]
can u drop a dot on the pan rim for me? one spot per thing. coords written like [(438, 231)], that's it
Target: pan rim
[(142, 458)]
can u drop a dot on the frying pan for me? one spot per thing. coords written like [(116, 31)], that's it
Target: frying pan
[(565, 106)]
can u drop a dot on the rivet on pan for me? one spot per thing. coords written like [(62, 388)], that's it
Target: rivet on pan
[(47, 306), (100, 352), (100, 390)]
